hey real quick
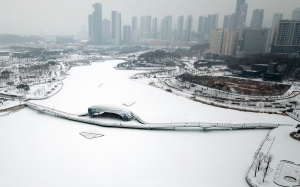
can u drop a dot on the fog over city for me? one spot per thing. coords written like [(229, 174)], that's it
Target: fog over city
[(148, 93), (47, 17)]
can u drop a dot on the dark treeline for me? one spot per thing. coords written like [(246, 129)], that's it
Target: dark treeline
[(288, 67), (152, 56), (132, 49), (199, 47)]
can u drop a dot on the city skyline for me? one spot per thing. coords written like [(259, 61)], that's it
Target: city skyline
[(68, 17)]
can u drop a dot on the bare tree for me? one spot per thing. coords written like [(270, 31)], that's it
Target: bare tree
[(258, 158), (254, 167), (267, 159), (265, 173)]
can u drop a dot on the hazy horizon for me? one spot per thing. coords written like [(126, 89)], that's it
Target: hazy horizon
[(33, 17)]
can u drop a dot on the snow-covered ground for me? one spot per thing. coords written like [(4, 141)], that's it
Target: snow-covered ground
[(8, 104), (37, 91), (42, 150), (284, 150)]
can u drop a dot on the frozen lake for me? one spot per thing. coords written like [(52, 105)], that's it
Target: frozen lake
[(41, 150)]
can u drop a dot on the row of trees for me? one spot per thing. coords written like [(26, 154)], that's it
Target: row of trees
[(262, 163), (23, 87), (38, 70), (5, 75)]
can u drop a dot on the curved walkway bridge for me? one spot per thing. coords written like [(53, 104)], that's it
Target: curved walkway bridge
[(157, 126)]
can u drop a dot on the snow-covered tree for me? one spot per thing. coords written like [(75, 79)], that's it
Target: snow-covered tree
[(267, 159), (258, 162)]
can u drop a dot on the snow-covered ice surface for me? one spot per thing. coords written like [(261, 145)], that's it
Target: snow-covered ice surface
[(152, 104), (42, 150)]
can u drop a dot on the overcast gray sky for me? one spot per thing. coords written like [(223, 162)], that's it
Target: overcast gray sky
[(69, 16)]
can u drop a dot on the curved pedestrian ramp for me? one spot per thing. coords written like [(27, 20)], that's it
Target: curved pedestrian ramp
[(157, 126)]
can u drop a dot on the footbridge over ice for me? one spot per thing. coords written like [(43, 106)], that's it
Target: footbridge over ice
[(157, 126)]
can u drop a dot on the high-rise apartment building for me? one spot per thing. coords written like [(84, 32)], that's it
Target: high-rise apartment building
[(276, 18), (200, 28), (223, 41), (95, 24), (148, 26), (229, 42), (166, 28), (255, 41), (210, 23), (287, 38), (228, 21), (145, 27), (257, 19), (216, 41), (106, 38), (240, 15), (126, 34), (189, 21), (134, 27), (238, 4), (154, 28), (116, 27), (180, 31), (205, 26), (296, 14), (91, 26)]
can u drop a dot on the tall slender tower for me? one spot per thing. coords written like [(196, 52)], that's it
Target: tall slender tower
[(200, 28), (257, 19), (154, 28), (134, 27), (134, 23), (180, 28), (126, 34), (106, 39), (210, 23), (91, 26), (189, 21), (143, 27), (239, 15), (167, 28), (95, 24), (148, 26), (116, 27)]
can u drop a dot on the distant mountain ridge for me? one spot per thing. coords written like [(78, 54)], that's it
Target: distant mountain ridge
[(10, 38)]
